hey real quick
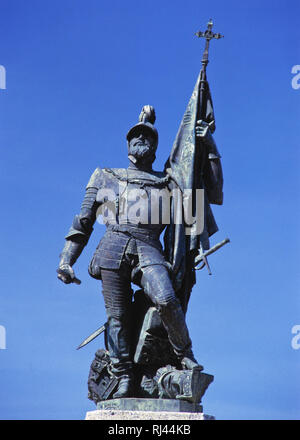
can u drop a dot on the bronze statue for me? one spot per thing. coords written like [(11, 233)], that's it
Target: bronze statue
[(148, 347)]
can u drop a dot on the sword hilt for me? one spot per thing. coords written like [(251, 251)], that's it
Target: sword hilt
[(76, 281), (203, 257)]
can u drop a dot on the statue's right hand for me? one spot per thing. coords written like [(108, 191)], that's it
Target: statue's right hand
[(66, 274), (202, 129)]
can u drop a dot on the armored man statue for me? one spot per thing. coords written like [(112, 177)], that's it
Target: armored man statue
[(148, 347)]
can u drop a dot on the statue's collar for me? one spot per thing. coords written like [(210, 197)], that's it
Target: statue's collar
[(132, 166), (132, 175)]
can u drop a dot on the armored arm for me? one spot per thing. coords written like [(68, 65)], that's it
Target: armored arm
[(79, 233), (81, 228), (212, 172), (213, 175)]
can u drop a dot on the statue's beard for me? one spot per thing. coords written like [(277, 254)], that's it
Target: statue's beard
[(142, 153)]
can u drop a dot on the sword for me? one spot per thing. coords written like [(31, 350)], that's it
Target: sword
[(93, 336), (203, 255)]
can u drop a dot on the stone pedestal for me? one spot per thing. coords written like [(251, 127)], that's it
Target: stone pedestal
[(147, 409)]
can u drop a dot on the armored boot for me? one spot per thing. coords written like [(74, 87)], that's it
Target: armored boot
[(121, 363), (173, 319), (157, 284), (123, 372)]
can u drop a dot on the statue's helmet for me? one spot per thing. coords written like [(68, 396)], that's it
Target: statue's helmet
[(146, 124)]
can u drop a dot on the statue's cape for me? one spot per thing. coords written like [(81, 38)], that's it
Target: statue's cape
[(184, 166)]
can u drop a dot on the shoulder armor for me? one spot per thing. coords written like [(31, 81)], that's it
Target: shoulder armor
[(96, 179)]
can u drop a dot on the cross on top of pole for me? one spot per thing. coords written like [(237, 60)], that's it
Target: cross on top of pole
[(208, 35)]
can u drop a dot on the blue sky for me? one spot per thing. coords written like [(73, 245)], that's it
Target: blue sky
[(78, 74)]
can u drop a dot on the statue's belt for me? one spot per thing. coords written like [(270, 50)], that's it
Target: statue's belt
[(137, 232)]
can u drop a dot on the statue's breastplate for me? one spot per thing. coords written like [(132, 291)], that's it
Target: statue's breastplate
[(135, 198)]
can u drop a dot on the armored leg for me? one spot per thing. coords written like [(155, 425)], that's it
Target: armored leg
[(117, 294), (158, 286)]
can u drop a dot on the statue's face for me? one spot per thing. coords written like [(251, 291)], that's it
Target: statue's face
[(142, 147)]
